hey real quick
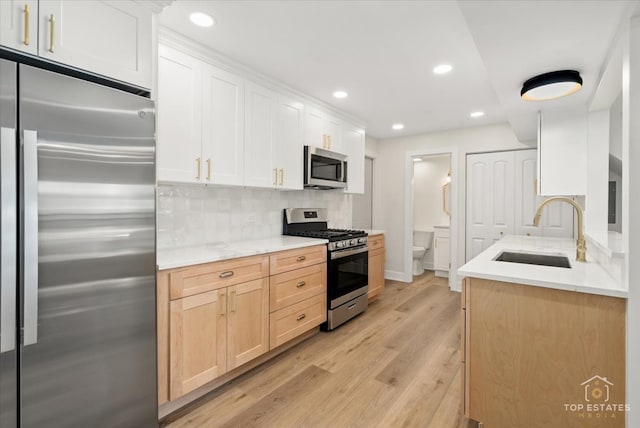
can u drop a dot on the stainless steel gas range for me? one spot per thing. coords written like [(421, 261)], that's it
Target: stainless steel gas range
[(347, 262)]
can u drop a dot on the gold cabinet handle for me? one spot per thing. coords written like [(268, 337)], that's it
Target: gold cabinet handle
[(226, 274), (329, 140), (281, 176), (209, 169), (233, 301), (51, 31), (223, 301), (275, 176), (301, 258), (324, 141), (26, 25), (301, 317), (198, 162), (301, 284)]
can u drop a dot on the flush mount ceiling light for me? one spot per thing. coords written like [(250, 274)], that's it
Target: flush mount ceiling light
[(201, 19), (397, 126), (551, 85), (340, 94), (442, 69), (477, 114), (417, 159)]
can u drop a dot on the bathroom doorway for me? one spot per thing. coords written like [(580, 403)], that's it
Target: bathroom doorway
[(431, 214)]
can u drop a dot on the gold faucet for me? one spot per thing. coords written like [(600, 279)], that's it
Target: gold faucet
[(581, 246)]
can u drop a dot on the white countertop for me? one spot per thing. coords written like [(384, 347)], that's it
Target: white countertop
[(187, 256), (374, 232), (588, 277)]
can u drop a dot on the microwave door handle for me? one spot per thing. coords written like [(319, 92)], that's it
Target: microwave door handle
[(8, 222)]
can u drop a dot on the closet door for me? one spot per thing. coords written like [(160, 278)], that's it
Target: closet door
[(557, 218), (490, 193)]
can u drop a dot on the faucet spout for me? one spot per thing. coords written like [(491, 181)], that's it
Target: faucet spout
[(581, 246)]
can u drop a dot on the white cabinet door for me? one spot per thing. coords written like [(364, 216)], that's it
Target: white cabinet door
[(222, 126), (490, 207), (111, 38), (333, 129), (562, 151), (314, 131), (179, 121), (441, 243), (19, 25), (557, 218), (260, 167), (289, 119), (353, 145)]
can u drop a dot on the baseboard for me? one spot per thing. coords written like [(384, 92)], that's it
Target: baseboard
[(442, 273), (394, 275), (427, 266)]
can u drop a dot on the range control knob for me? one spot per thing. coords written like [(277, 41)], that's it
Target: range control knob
[(354, 242), (339, 244), (362, 240)]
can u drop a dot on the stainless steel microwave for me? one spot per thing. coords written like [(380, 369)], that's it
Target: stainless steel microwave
[(324, 169)]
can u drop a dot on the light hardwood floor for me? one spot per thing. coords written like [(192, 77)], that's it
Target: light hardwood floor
[(396, 365)]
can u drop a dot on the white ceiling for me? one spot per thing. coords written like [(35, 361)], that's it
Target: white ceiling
[(383, 52)]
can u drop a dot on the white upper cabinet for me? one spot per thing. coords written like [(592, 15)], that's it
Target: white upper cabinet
[(222, 126), (273, 135), (353, 147), (19, 25), (109, 38), (322, 130), (260, 165), (562, 153), (179, 117)]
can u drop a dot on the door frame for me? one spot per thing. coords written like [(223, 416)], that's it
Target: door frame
[(453, 207)]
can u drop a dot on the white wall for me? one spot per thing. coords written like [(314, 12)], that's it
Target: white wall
[(194, 215), (390, 174), (428, 178)]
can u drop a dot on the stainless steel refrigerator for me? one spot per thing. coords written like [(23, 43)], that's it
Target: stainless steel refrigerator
[(77, 298)]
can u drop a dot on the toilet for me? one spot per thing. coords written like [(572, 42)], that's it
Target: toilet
[(421, 243)]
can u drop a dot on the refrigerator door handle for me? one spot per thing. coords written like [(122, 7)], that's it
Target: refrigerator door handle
[(30, 180), (8, 224)]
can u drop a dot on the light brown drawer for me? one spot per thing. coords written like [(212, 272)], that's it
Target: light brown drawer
[(285, 261), (375, 242), (211, 276), (296, 319), (297, 285)]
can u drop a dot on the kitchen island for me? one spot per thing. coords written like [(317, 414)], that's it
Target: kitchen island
[(542, 345)]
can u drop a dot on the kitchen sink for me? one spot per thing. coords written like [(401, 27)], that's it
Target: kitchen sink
[(542, 259)]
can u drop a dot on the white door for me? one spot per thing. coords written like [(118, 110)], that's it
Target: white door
[(353, 147), (179, 120), (260, 168), (557, 218), (222, 126), (112, 38), (490, 194), (19, 25), (289, 117)]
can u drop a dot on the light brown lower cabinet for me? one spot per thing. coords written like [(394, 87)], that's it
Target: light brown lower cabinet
[(214, 332), (376, 266), (541, 357)]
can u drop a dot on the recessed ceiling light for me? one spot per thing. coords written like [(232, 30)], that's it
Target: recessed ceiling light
[(397, 126), (442, 69), (477, 114), (340, 94), (551, 85), (202, 19)]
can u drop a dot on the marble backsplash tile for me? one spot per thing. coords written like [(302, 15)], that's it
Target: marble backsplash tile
[(194, 215)]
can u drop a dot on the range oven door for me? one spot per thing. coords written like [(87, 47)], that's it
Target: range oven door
[(347, 275)]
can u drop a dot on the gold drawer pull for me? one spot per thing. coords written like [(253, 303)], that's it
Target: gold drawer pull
[(51, 31), (301, 284), (26, 25), (226, 274), (209, 169), (301, 317), (301, 258)]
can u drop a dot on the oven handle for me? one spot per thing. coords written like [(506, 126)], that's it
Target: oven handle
[(348, 252)]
